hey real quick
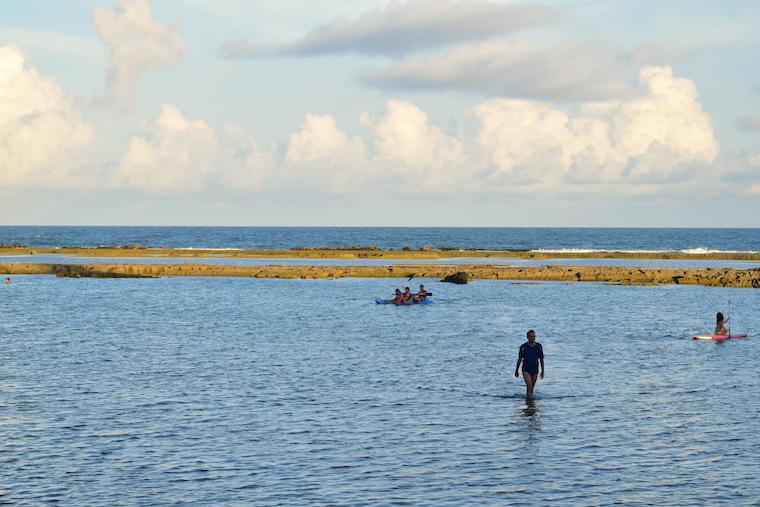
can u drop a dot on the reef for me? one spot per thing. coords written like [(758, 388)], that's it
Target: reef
[(711, 277)]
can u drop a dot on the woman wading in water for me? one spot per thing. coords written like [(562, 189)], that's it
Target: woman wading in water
[(531, 353)]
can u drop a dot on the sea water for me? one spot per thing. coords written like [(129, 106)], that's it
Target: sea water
[(491, 238), (228, 391)]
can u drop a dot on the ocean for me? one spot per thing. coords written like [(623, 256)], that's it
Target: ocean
[(233, 391), (562, 239)]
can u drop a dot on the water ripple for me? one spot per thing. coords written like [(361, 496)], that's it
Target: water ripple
[(293, 392)]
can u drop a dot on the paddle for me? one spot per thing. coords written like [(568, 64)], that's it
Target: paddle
[(729, 318)]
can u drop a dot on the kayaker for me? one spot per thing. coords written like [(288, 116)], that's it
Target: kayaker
[(406, 298), (530, 354), (421, 295), (397, 300), (720, 329)]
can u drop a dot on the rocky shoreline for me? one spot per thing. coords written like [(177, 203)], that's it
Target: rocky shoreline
[(711, 277)]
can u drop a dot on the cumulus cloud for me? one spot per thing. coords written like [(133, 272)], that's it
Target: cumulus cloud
[(750, 123), (404, 27), (638, 144), (136, 43), (413, 150), (656, 138), (41, 129), (177, 154), (501, 68), (319, 153)]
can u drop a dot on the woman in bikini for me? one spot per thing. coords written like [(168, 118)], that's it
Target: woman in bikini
[(720, 328)]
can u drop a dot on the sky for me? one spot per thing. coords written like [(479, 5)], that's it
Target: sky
[(380, 113)]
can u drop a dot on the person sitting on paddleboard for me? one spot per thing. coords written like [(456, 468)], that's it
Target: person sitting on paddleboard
[(396, 300), (421, 295), (530, 354), (720, 329)]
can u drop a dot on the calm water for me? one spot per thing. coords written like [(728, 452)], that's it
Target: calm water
[(390, 237), (289, 392)]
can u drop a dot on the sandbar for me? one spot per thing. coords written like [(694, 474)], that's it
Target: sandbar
[(711, 277)]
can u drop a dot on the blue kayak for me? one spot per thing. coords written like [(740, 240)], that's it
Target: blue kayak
[(423, 302)]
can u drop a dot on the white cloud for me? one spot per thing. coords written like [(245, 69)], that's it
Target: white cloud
[(632, 145), (406, 153), (513, 69), (409, 147), (177, 154), (136, 43), (657, 138), (319, 153), (404, 27), (41, 130)]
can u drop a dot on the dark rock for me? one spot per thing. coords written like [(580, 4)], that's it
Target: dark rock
[(460, 277), (79, 271)]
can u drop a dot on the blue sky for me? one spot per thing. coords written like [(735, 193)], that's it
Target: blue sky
[(413, 112)]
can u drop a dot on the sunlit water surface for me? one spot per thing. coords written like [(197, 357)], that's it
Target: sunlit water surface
[(288, 392)]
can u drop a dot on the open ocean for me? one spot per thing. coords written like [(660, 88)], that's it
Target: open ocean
[(632, 239), (233, 391)]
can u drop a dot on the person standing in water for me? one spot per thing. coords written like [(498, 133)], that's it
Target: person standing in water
[(720, 328), (531, 353)]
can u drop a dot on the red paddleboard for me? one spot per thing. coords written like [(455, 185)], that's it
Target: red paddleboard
[(716, 337)]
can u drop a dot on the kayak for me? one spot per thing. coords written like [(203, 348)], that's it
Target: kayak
[(423, 302), (718, 338)]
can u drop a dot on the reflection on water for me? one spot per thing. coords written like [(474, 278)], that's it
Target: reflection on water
[(529, 414), (238, 391), (529, 410)]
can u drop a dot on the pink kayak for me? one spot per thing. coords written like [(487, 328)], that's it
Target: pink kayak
[(719, 337)]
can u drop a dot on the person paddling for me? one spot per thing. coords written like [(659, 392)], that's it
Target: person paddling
[(422, 294), (720, 328), (531, 353), (396, 300)]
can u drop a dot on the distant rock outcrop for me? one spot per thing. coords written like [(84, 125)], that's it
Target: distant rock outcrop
[(460, 277)]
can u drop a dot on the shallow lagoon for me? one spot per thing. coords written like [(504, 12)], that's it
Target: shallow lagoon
[(219, 390)]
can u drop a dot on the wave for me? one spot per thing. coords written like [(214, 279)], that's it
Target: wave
[(702, 250), (201, 248), (692, 251), (593, 250)]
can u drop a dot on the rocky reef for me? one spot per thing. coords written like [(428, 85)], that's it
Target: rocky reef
[(711, 277)]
